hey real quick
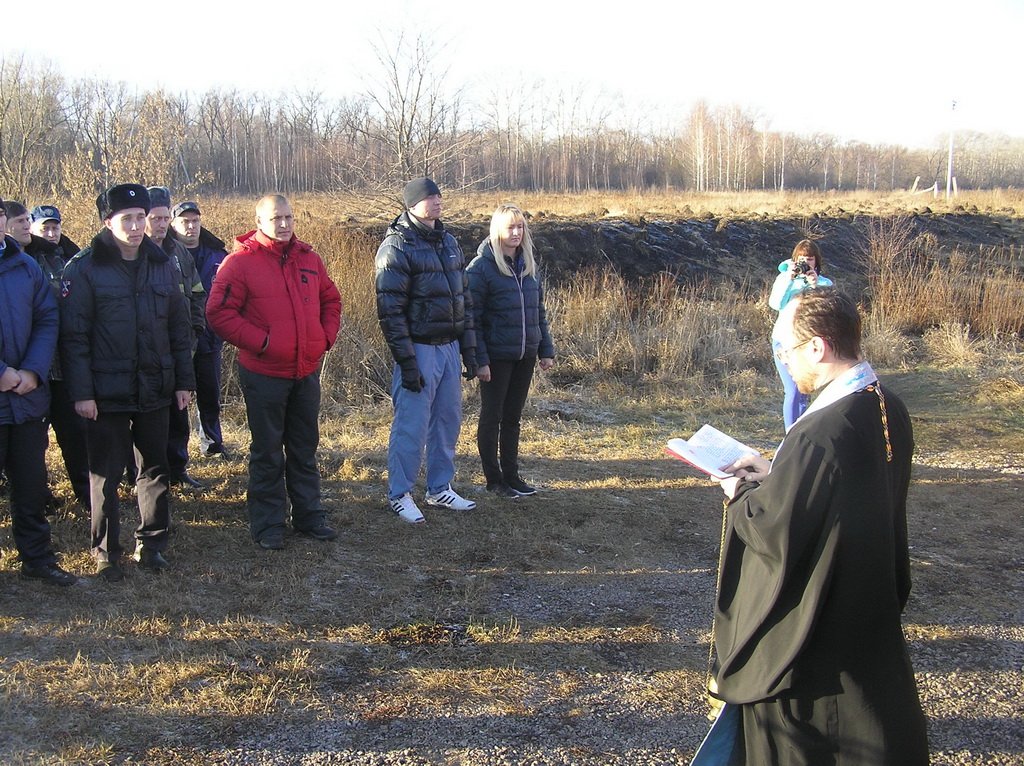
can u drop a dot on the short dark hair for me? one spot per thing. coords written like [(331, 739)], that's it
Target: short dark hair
[(14, 209), (830, 314)]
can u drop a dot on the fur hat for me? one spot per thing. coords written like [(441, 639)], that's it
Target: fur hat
[(159, 196), (121, 197), (417, 190)]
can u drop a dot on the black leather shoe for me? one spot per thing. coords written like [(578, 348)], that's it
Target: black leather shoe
[(110, 571), (150, 560), (271, 542), (182, 477), (50, 573), (319, 532)]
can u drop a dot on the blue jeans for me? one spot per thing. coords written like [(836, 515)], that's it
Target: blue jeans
[(429, 420), (793, 402)]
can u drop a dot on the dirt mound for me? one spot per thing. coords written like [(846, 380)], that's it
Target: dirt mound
[(742, 251)]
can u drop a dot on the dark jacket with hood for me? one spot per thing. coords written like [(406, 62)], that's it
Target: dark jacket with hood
[(422, 292), (125, 337), (508, 311), (28, 331)]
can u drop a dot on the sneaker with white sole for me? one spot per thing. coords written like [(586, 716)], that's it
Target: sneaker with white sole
[(520, 487), (406, 509), (450, 499)]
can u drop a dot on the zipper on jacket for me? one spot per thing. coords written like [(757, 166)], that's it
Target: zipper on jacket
[(522, 306)]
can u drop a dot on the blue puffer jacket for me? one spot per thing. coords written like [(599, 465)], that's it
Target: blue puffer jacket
[(29, 324), (208, 256), (508, 311), (422, 292)]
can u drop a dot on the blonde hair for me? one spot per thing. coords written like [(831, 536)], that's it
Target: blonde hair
[(508, 214)]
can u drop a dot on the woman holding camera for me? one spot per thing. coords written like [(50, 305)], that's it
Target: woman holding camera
[(801, 271), (511, 337)]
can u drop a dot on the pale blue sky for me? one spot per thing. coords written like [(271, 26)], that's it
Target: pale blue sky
[(879, 71)]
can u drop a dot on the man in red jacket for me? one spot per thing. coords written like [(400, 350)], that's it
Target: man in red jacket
[(273, 300)]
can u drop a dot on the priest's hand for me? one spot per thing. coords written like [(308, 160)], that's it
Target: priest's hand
[(730, 486), (750, 468)]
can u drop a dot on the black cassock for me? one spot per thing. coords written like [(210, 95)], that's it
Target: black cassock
[(815, 575)]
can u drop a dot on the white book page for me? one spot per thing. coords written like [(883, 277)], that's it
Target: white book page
[(710, 450)]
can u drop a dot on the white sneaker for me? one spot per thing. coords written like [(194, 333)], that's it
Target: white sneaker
[(450, 499), (407, 509)]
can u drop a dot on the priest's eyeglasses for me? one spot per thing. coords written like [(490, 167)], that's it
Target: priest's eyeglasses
[(782, 354)]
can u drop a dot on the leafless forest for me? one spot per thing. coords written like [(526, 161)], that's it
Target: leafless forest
[(63, 137)]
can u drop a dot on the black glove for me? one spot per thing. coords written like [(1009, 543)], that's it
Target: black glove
[(469, 362), (412, 380)]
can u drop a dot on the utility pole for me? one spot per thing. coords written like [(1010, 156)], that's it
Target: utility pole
[(949, 161)]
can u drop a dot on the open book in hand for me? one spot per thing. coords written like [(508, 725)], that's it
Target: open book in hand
[(709, 450)]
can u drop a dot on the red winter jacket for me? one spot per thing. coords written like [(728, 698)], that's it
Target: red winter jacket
[(275, 302)]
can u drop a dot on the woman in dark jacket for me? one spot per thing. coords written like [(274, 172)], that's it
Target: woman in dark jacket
[(512, 335)]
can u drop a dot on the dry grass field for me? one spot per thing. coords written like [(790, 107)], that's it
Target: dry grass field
[(567, 628)]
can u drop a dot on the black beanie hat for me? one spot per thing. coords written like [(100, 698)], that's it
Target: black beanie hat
[(417, 190), (121, 197)]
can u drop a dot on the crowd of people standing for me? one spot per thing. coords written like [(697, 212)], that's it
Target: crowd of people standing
[(112, 343), (132, 329)]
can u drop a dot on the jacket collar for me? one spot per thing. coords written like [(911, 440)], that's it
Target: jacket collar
[(254, 241), (411, 228), (11, 246), (106, 251), (206, 239)]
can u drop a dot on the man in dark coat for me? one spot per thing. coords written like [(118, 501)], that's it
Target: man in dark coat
[(28, 336), (208, 252), (52, 250), (158, 229), (47, 223), (815, 568), (126, 348)]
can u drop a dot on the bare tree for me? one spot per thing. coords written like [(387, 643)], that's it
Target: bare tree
[(32, 127), (416, 111)]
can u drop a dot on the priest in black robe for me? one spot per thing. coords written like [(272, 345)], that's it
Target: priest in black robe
[(815, 568)]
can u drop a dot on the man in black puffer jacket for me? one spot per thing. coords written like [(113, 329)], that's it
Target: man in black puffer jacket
[(126, 349), (426, 314)]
